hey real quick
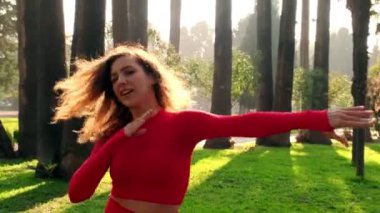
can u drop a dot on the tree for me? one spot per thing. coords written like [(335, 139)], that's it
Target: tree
[(175, 23), (52, 69), (304, 47), (8, 50), (341, 47), (245, 78), (360, 10), (264, 46), (373, 92), (88, 38), (197, 73), (320, 75), (285, 66), (339, 89), (221, 91), (197, 41), (28, 53), (88, 43), (138, 22), (202, 36), (247, 30), (120, 21)]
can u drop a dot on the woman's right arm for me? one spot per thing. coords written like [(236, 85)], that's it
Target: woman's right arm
[(86, 179)]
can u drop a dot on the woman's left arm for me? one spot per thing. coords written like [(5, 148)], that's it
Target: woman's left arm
[(203, 125)]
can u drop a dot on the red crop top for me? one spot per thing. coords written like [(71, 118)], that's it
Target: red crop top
[(155, 166)]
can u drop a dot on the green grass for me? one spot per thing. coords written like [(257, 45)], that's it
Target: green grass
[(10, 123), (304, 178)]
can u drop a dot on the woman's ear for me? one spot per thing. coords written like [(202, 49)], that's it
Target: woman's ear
[(152, 80)]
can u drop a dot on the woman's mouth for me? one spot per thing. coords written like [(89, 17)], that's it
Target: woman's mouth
[(126, 92)]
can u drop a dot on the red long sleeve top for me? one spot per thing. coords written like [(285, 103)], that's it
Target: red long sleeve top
[(155, 166)]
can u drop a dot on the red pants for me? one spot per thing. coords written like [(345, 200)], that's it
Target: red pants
[(114, 207)]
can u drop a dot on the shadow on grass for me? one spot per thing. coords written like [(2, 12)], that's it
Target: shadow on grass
[(200, 154), (17, 181), (366, 190), (93, 205), (374, 146), (20, 190), (323, 171), (44, 191), (242, 184), (10, 162), (336, 186), (16, 174)]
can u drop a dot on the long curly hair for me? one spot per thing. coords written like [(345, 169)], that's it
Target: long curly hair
[(88, 93)]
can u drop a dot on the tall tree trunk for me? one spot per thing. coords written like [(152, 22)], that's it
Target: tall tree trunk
[(175, 23), (320, 83), (285, 66), (221, 91), (120, 21), (52, 69), (304, 55), (88, 43), (28, 52), (138, 21), (88, 38), (304, 46), (264, 46), (360, 20)]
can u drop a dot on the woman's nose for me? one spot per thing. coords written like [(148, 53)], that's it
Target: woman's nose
[(121, 80)]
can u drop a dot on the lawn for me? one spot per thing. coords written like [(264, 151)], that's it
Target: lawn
[(10, 124), (304, 178)]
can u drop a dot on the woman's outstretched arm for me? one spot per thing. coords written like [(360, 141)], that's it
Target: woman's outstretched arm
[(203, 125)]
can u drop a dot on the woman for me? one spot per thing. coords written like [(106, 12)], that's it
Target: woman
[(130, 104)]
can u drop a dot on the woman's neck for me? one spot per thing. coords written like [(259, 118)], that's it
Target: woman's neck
[(139, 111)]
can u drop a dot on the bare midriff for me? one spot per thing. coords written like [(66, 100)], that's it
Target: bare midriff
[(145, 207)]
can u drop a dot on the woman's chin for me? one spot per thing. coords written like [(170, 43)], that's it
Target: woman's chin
[(129, 104)]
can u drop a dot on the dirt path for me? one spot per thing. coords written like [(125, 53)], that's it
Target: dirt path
[(8, 114)]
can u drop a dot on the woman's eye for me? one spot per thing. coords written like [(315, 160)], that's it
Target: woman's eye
[(128, 72), (113, 79)]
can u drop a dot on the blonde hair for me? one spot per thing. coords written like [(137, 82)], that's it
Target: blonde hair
[(88, 93)]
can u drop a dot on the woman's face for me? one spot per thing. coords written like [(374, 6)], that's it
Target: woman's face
[(131, 84)]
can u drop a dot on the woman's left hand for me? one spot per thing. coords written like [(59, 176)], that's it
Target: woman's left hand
[(354, 117)]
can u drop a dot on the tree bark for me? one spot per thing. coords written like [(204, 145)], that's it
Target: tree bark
[(139, 21), (285, 66), (304, 46), (221, 91), (28, 63), (88, 38), (320, 84), (264, 46), (52, 69), (360, 10), (120, 21), (175, 23), (88, 43)]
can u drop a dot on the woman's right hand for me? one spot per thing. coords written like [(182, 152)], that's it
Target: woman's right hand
[(133, 128)]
